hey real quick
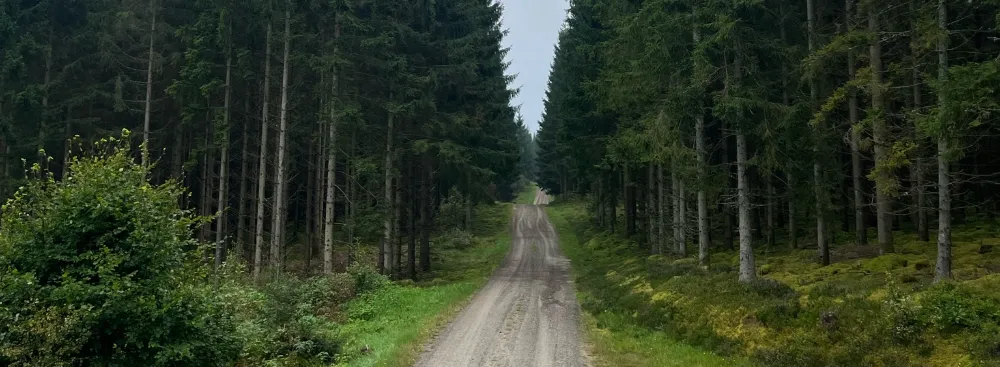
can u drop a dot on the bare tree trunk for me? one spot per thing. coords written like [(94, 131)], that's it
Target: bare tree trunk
[(917, 168), (352, 206), (397, 222), (207, 172), (600, 201), (676, 189), (748, 268), (880, 134), (789, 174), (820, 190), (331, 167), (277, 230), (651, 206), (411, 227), (425, 214), (241, 210), (149, 87), (387, 240), (262, 170), (662, 208), (703, 257), (223, 200), (727, 214), (629, 202), (770, 209), (682, 249), (942, 271), (860, 228), (314, 170)]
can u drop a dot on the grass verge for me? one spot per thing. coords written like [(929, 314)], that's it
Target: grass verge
[(614, 337), (390, 326)]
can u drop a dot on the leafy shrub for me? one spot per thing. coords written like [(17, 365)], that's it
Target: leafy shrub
[(367, 279), (456, 239), (289, 321), (100, 270)]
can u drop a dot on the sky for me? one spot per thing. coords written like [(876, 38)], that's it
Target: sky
[(534, 31)]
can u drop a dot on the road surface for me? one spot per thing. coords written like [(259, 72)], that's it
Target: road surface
[(526, 315)]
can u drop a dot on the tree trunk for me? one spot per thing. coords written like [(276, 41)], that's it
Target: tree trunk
[(411, 227), (818, 181), (662, 208), (387, 241), (942, 271), (917, 169), (769, 184), (262, 170), (748, 268), (149, 87), (682, 245), (700, 150), (727, 237), (880, 134), (860, 228), (207, 172), (397, 217), (630, 202), (312, 170), (331, 166), (675, 187), (223, 200), (789, 174), (241, 211), (277, 224), (600, 201), (425, 214), (651, 206)]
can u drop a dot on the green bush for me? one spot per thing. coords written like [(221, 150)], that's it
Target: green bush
[(100, 270), (367, 279)]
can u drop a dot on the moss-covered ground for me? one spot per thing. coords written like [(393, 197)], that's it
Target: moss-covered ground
[(863, 310)]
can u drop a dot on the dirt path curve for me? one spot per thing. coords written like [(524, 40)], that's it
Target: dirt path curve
[(526, 315)]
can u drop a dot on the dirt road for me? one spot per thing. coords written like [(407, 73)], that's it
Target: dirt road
[(526, 315)]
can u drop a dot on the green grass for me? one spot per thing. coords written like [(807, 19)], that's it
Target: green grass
[(614, 338), (390, 326), (527, 195)]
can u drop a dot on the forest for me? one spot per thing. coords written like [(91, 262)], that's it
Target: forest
[(815, 180), (195, 182)]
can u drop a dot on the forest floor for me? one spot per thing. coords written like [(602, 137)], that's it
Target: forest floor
[(526, 315), (614, 338), (864, 309), (388, 327)]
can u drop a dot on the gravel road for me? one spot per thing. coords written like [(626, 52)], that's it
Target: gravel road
[(526, 315)]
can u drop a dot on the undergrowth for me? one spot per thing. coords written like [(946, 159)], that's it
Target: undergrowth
[(863, 310), (389, 325)]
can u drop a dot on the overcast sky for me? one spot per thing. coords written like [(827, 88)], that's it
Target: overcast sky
[(534, 30)]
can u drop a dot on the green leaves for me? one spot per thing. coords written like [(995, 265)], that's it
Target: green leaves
[(106, 258)]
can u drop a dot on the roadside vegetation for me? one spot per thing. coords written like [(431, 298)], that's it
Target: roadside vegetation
[(862, 310), (102, 268), (616, 335)]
